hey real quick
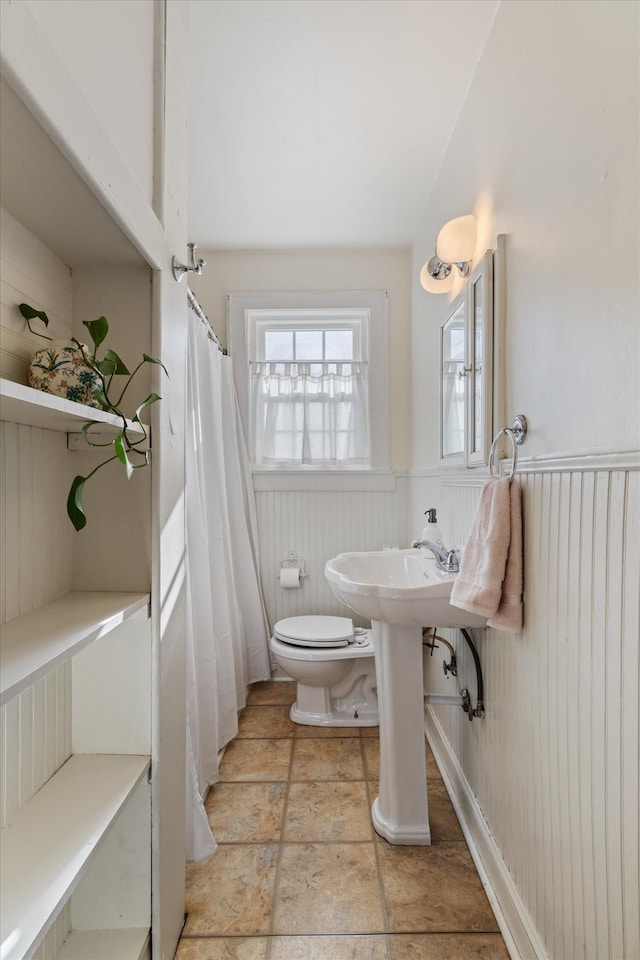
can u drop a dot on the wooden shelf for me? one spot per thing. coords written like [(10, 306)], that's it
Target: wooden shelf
[(34, 408), (34, 643), (130, 944), (49, 843)]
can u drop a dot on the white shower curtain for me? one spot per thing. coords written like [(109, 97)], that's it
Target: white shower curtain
[(227, 627)]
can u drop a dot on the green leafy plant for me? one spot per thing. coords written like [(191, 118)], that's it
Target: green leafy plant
[(129, 448)]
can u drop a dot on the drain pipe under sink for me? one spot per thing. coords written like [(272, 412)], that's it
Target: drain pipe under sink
[(463, 699)]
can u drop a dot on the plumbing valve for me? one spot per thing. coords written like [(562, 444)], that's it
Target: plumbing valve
[(452, 667), (471, 711), (466, 703)]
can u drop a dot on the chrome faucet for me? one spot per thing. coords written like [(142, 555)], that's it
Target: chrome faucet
[(446, 560)]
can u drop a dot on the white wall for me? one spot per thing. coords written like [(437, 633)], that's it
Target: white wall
[(119, 510), (319, 270), (108, 49), (30, 273), (546, 151)]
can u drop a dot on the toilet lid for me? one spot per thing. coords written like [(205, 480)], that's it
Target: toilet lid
[(315, 631)]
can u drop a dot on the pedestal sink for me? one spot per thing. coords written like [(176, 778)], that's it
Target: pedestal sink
[(400, 591)]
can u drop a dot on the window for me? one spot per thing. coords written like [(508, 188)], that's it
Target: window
[(308, 388), (305, 368)]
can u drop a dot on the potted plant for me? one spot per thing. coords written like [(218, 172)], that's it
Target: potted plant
[(97, 380)]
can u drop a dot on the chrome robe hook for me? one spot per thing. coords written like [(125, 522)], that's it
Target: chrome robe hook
[(193, 266)]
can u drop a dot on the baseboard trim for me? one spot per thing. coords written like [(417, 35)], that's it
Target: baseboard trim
[(520, 935)]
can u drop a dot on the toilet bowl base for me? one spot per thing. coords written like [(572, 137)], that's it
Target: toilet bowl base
[(339, 716)]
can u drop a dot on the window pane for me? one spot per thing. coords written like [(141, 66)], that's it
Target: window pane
[(453, 384), (278, 345), (308, 344), (338, 345), (456, 344), (477, 374)]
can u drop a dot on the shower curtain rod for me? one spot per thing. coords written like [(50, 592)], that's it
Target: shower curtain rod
[(201, 315)]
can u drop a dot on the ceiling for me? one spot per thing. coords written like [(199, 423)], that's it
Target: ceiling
[(323, 123)]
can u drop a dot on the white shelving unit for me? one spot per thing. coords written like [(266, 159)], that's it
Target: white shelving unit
[(92, 669), (36, 642), (105, 945), (51, 841), (48, 847), (33, 408)]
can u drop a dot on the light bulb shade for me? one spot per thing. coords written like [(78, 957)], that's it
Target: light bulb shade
[(442, 282), (457, 240)]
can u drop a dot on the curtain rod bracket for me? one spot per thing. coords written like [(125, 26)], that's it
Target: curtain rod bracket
[(193, 266)]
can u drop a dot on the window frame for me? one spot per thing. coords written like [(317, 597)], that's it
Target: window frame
[(241, 306), (259, 322)]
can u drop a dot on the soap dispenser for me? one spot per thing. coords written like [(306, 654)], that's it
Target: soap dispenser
[(432, 531)]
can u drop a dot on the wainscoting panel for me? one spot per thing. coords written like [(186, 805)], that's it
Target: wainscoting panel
[(554, 765), (35, 544), (36, 738), (35, 551), (317, 525)]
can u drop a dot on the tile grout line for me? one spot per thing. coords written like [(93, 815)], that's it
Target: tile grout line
[(376, 854), (276, 884), (287, 782), (271, 936)]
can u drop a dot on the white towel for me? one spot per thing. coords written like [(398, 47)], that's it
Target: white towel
[(490, 580)]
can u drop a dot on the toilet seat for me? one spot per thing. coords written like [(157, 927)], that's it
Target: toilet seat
[(321, 632)]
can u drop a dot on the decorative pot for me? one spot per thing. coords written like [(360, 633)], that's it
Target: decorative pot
[(61, 369)]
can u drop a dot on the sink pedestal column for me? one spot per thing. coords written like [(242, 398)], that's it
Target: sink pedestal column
[(400, 812)]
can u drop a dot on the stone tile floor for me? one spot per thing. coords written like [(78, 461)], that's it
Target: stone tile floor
[(300, 874)]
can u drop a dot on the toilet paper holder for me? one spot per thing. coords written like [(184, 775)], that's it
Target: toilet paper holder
[(293, 561)]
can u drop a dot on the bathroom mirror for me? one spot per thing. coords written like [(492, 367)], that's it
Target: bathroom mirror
[(466, 366), (452, 387)]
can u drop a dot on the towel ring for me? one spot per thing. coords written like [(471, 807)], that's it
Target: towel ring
[(516, 433), (505, 432)]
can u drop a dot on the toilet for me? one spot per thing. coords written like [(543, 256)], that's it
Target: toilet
[(333, 664)]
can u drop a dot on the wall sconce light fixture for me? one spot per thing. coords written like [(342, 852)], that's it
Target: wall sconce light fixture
[(454, 247)]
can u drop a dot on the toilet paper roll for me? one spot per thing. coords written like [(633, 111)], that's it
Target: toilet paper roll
[(289, 577)]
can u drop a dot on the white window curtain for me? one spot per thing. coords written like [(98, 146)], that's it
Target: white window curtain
[(227, 627), (309, 413)]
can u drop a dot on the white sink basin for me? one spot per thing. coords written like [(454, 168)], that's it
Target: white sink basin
[(402, 587)]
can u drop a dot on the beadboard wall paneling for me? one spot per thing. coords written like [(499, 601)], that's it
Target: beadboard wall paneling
[(554, 764), (35, 567), (316, 526), (30, 273), (36, 738), (35, 539), (55, 938)]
